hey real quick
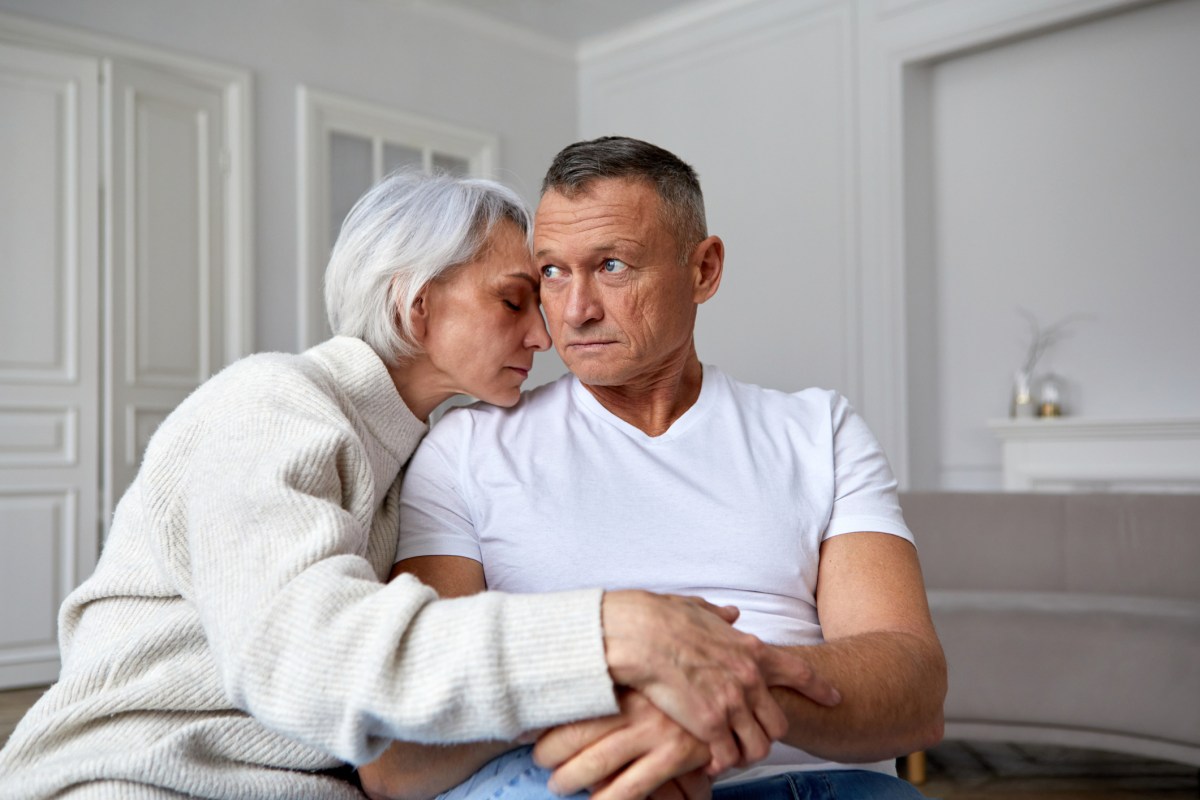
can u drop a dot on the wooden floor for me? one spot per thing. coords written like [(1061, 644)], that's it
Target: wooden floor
[(964, 770), (13, 705), (959, 770)]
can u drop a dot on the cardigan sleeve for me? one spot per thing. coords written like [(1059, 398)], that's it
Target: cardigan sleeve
[(265, 540)]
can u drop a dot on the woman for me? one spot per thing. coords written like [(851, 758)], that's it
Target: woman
[(237, 640)]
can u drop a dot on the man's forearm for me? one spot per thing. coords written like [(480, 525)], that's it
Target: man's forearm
[(409, 771), (893, 686)]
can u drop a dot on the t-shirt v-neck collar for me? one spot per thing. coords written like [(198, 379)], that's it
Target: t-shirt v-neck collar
[(698, 410)]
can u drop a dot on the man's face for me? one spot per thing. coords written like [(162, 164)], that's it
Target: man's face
[(620, 306)]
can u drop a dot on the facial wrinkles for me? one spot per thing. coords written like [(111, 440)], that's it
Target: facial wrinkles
[(575, 234), (557, 226)]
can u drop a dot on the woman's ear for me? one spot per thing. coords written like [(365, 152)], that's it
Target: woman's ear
[(418, 315)]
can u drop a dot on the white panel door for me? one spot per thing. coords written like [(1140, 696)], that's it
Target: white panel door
[(49, 349), (165, 312)]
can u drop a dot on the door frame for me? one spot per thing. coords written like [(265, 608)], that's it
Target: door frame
[(231, 87), (236, 87)]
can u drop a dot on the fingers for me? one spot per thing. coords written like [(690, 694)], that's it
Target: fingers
[(755, 728), (725, 754), (559, 744), (635, 758), (654, 769), (707, 676), (769, 715), (753, 737), (728, 613), (781, 668), (596, 762)]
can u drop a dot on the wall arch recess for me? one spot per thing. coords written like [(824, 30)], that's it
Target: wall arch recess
[(899, 45)]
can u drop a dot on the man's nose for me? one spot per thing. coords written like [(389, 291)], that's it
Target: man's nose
[(583, 303)]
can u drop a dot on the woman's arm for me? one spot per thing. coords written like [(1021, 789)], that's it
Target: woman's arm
[(408, 771), (265, 502)]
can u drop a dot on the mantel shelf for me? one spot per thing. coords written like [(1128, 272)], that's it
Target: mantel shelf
[(1095, 428), (1082, 454)]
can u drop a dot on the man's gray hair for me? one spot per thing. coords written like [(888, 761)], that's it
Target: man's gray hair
[(408, 230), (578, 165)]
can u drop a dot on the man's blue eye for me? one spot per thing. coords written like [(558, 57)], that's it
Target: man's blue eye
[(551, 271), (614, 265)]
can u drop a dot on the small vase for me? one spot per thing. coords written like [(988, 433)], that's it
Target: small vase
[(1050, 402), (1022, 396)]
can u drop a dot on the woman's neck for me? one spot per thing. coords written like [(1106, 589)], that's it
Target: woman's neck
[(422, 386)]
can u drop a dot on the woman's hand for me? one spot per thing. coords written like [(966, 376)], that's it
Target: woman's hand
[(637, 753), (684, 656)]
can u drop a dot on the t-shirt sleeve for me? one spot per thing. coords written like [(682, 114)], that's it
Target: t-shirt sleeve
[(864, 487), (435, 517)]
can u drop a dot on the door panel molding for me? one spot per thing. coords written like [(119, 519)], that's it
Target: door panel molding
[(72, 427), (39, 436), (236, 89), (166, 282), (49, 400)]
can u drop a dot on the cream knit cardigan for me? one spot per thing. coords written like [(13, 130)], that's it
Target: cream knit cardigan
[(237, 635)]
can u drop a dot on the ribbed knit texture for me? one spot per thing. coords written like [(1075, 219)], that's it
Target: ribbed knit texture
[(236, 636)]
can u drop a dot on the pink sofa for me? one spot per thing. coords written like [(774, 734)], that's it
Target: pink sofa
[(1067, 619)]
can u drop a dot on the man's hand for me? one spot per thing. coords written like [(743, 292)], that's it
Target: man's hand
[(685, 657), (637, 753)]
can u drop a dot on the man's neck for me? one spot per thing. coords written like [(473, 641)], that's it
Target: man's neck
[(652, 405)]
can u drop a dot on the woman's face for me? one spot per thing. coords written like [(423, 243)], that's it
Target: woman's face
[(483, 322)]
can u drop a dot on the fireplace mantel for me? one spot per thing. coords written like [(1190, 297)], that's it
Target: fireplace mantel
[(1080, 454)]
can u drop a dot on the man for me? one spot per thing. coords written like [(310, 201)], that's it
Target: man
[(647, 469)]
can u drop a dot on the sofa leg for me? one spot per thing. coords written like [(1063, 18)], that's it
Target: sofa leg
[(914, 767)]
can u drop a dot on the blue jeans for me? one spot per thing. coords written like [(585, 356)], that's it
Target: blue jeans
[(514, 776), (511, 776), (829, 784)]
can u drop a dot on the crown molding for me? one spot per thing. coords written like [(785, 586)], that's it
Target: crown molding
[(659, 25), (499, 30)]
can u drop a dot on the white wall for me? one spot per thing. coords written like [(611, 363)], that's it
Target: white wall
[(794, 113), (385, 52), (1056, 167), (760, 104), (1067, 180)]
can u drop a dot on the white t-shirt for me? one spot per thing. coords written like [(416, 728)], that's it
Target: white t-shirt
[(731, 503)]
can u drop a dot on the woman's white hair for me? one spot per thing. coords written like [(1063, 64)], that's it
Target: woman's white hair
[(408, 230)]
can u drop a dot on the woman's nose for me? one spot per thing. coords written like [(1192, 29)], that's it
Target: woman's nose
[(537, 337)]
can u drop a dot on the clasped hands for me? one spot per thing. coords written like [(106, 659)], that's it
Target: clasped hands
[(695, 702)]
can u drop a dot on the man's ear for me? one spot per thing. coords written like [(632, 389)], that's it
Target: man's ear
[(707, 264)]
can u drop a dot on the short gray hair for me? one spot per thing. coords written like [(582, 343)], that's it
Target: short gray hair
[(408, 230), (578, 165)]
